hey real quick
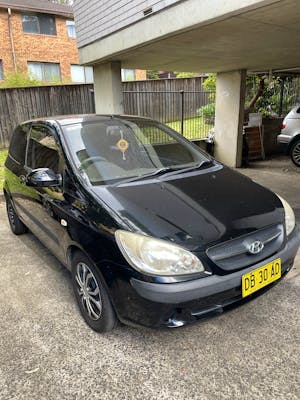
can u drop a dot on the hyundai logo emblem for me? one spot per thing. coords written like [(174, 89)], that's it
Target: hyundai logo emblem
[(256, 247)]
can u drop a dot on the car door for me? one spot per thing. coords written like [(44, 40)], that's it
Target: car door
[(41, 205)]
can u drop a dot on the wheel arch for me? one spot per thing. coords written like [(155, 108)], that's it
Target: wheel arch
[(71, 251), (295, 139)]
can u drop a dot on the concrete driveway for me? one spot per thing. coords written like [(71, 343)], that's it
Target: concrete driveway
[(48, 352)]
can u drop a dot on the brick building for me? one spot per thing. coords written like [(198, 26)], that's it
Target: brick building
[(37, 37)]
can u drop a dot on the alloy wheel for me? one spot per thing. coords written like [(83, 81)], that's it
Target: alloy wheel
[(88, 290), (296, 154)]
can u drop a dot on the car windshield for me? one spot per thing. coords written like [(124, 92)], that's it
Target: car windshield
[(115, 150)]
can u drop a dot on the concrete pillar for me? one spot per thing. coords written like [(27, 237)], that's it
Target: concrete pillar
[(108, 88), (230, 103)]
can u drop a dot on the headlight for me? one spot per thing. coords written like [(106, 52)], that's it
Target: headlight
[(155, 256), (289, 216)]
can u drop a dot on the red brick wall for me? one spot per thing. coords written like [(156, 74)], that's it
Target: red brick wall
[(31, 47)]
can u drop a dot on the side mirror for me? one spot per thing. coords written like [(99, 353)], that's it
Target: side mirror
[(42, 177)]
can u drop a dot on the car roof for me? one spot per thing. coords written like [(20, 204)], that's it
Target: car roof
[(64, 120)]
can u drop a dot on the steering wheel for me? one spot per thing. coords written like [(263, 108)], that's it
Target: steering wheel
[(86, 163)]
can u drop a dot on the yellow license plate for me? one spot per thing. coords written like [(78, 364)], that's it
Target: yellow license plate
[(261, 277)]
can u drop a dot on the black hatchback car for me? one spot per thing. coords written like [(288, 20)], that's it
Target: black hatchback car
[(154, 231)]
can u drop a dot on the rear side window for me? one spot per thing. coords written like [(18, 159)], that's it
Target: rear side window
[(17, 148), (42, 149)]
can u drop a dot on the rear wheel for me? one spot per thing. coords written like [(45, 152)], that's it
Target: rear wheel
[(295, 153), (91, 295), (16, 225)]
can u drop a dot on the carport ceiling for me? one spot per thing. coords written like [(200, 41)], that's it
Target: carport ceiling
[(263, 39)]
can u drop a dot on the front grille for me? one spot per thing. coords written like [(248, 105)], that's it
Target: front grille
[(235, 254)]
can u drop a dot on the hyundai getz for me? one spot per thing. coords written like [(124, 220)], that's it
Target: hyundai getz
[(154, 231)]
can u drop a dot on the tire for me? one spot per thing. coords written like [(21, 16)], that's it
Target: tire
[(16, 225), (91, 295), (295, 153)]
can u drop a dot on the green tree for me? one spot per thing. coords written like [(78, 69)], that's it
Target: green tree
[(151, 74), (184, 74), (261, 96), (210, 83)]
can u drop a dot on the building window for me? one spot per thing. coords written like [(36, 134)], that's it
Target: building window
[(71, 29), (81, 74), (128, 75), (44, 71), (1, 71), (39, 23)]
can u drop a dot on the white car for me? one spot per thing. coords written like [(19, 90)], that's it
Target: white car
[(289, 138)]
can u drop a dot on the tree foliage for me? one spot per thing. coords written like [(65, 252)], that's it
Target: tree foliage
[(19, 79), (184, 74), (151, 74), (262, 95)]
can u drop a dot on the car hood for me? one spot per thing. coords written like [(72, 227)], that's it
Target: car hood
[(194, 210)]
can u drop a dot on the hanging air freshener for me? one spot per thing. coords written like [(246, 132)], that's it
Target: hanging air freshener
[(123, 145)]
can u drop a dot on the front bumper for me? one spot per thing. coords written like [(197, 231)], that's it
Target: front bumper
[(176, 304)]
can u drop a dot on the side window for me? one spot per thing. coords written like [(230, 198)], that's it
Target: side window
[(42, 150), (17, 148)]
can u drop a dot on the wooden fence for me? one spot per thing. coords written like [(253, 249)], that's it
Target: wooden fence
[(17, 105), (21, 104)]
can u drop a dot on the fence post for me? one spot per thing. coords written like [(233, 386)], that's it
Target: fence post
[(182, 112), (92, 91)]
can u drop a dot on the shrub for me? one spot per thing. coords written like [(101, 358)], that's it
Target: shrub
[(18, 79), (207, 112)]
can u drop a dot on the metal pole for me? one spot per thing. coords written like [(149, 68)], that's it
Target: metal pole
[(182, 112), (281, 96), (11, 38)]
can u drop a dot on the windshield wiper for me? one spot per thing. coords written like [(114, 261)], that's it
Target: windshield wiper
[(159, 171), (197, 166), (165, 170)]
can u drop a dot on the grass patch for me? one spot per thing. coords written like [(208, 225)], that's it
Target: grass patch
[(3, 154), (193, 128)]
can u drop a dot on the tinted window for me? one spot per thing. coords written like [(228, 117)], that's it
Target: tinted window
[(18, 142), (39, 23), (42, 150)]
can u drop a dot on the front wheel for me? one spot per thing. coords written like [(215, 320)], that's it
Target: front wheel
[(16, 225), (295, 153), (91, 295)]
